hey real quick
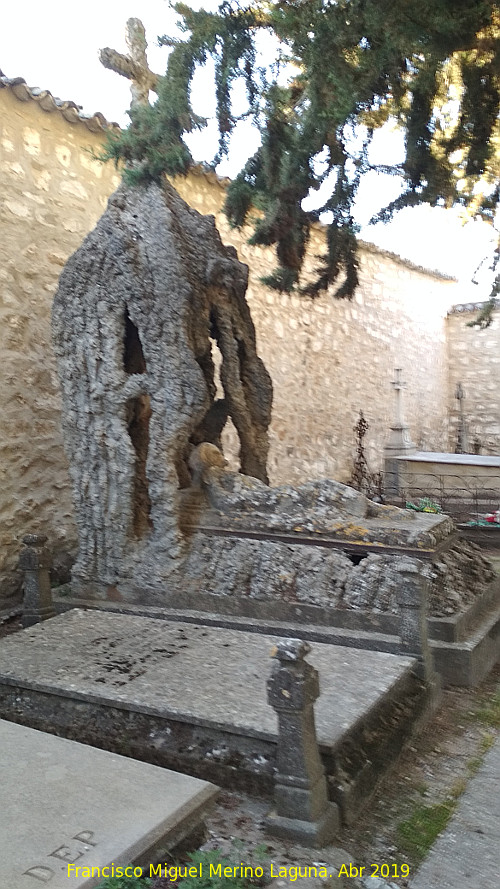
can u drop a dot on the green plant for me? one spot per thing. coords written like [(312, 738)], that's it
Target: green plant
[(211, 871), (339, 71), (425, 504), (418, 832), (214, 869), (487, 742), (124, 883), (489, 713)]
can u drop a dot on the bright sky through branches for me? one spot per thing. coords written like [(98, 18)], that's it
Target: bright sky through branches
[(54, 45)]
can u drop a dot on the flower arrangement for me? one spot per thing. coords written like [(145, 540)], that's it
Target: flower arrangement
[(493, 518), (425, 504)]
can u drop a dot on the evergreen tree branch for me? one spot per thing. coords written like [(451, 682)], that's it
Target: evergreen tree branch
[(340, 65)]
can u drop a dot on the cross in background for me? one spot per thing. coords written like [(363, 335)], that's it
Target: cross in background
[(398, 387)]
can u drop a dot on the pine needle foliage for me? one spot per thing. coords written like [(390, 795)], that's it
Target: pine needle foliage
[(342, 68)]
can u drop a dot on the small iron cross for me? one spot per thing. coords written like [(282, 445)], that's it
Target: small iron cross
[(133, 66)]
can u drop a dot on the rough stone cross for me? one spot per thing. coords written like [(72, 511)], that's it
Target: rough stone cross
[(133, 66)]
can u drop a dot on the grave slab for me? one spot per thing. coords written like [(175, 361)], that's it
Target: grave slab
[(192, 671), (193, 698), (67, 803)]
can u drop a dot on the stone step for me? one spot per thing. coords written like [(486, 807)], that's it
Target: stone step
[(312, 632), (465, 648), (68, 808)]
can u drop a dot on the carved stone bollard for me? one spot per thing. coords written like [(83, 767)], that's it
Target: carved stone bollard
[(302, 811), (413, 595), (35, 560)]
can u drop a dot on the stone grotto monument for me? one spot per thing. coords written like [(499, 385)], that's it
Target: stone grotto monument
[(138, 310), (195, 571), (161, 521), (206, 567)]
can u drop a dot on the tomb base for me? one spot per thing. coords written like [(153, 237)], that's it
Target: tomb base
[(193, 698), (308, 833)]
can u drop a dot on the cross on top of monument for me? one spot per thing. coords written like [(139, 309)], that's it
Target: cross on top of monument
[(133, 66), (463, 433), (398, 382), (398, 385), (399, 440)]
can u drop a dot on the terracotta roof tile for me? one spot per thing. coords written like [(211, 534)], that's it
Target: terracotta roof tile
[(69, 110)]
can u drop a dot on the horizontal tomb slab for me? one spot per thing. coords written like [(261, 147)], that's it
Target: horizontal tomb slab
[(193, 697), (69, 811)]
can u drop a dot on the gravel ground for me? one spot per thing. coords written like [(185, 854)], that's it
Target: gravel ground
[(433, 768), (12, 625)]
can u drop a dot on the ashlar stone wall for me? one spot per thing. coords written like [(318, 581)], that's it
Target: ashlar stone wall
[(51, 195), (474, 361)]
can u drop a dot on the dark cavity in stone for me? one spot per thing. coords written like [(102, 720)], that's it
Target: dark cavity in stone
[(210, 428), (133, 355), (138, 417), (356, 558)]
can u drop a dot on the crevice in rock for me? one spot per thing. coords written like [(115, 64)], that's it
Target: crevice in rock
[(356, 558), (246, 393), (133, 355), (138, 417), (210, 428)]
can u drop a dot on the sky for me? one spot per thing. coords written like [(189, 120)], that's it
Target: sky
[(54, 44)]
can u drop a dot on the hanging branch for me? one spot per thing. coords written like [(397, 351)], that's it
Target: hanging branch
[(341, 68)]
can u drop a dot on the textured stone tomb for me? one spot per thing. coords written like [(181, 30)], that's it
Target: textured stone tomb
[(193, 697), (138, 309)]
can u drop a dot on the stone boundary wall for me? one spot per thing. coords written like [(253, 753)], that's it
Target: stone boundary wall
[(474, 361), (52, 194), (328, 359)]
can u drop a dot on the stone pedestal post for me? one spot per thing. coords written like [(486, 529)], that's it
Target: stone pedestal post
[(399, 443), (413, 595), (35, 561), (302, 812)]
